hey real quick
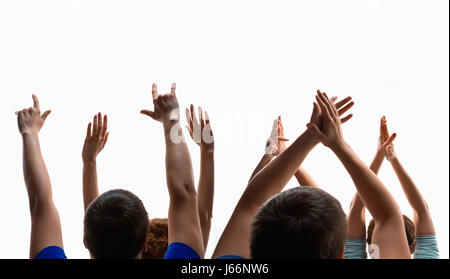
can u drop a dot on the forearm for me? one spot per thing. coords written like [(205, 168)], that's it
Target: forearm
[(35, 172), (179, 174), (272, 179), (357, 214), (412, 193), (304, 179), (377, 162), (371, 190), (90, 182), (422, 217), (206, 192), (266, 158), (356, 220)]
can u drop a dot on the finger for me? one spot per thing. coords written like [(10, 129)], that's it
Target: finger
[(190, 131), (386, 132), (383, 131), (316, 111), (330, 105), (188, 116), (206, 118), (45, 114), (279, 126), (194, 116), (100, 124), (381, 128), (323, 107), (282, 139), (154, 91), (326, 104), (105, 125), (36, 102), (333, 99), (344, 109), (172, 90), (389, 149), (150, 113), (342, 102), (200, 115), (95, 128), (390, 140), (316, 130), (88, 132), (347, 118), (274, 132), (191, 122)]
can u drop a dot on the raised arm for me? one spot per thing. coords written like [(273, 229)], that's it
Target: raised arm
[(422, 217), (389, 231), (266, 183), (201, 133), (45, 223), (275, 144), (184, 223), (356, 219), (94, 143)]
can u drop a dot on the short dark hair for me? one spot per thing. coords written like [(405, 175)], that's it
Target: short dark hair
[(410, 230), (300, 223), (115, 225), (157, 239)]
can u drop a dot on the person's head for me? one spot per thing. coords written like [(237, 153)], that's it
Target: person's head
[(410, 230), (115, 225), (157, 239), (303, 222)]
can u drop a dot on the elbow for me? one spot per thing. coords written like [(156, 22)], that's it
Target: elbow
[(183, 192), (205, 217)]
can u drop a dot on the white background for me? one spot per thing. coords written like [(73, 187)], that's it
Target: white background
[(243, 61)]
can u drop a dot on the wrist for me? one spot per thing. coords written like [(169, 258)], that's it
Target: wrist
[(89, 161), (340, 147), (311, 136), (379, 156), (394, 160), (26, 133)]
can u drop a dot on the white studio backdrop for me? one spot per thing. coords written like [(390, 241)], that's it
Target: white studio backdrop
[(245, 62)]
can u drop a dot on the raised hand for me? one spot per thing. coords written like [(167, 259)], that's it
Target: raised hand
[(342, 107), (96, 139), (200, 131), (384, 136), (276, 143), (330, 132), (166, 106), (30, 120), (385, 144)]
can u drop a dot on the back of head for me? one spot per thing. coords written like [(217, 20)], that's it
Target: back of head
[(157, 239), (410, 230), (301, 223), (115, 225)]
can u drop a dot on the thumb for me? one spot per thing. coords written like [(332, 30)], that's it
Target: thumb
[(45, 114), (150, 113), (390, 140)]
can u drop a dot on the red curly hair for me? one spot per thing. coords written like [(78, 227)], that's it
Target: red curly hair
[(157, 239)]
